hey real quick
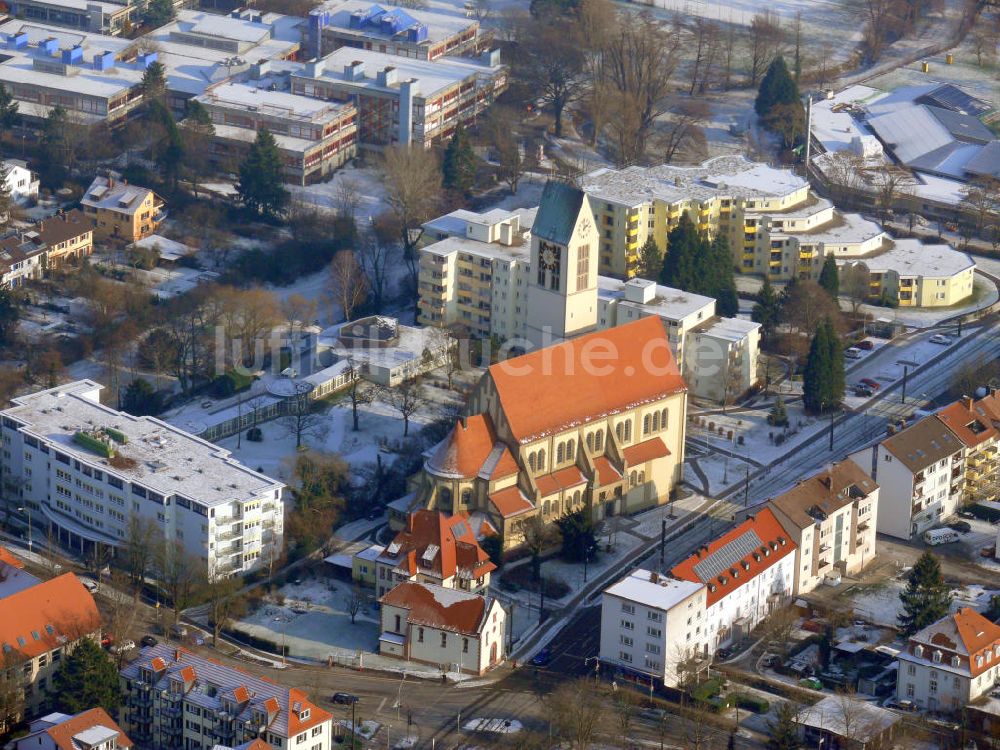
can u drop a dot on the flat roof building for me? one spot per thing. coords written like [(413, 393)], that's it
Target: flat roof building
[(87, 468), (95, 16)]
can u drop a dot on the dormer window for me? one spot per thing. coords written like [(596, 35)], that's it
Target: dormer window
[(304, 714), (955, 661), (918, 651), (936, 657), (979, 661)]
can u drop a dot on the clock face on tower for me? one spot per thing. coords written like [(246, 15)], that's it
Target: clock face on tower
[(547, 257), (585, 226)]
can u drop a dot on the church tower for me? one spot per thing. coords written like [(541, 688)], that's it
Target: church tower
[(562, 279)]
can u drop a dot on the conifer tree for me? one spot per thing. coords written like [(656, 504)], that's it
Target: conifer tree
[(87, 678), (782, 730), (154, 82), (926, 598), (679, 265), (458, 168), (816, 376), (8, 110), (720, 274), (829, 277), (767, 309), (776, 88), (261, 186), (778, 416), (650, 260), (838, 378)]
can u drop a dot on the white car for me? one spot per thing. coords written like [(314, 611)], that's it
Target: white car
[(122, 647), (852, 352), (940, 338)]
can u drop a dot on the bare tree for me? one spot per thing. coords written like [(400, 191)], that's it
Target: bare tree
[(179, 573), (503, 136), (577, 710), (538, 536), (140, 539), (355, 601), (225, 603), (880, 18), (361, 393), (121, 608), (686, 118), (303, 418), (348, 198), (552, 60), (981, 201), (698, 731), (855, 284), (348, 285), (707, 51), (891, 185), (765, 38), (11, 691), (407, 398), (413, 192), (625, 711)]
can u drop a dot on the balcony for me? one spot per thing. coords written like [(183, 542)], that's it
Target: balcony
[(822, 564)]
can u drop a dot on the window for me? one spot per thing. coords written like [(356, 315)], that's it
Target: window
[(628, 609), (652, 648), (932, 686), (444, 640), (654, 616), (655, 632), (909, 690), (628, 625), (465, 645), (625, 640), (420, 635), (911, 670), (625, 656)]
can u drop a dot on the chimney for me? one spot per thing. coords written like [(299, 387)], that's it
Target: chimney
[(967, 402), (355, 71), (827, 481), (177, 654), (387, 77), (654, 577)]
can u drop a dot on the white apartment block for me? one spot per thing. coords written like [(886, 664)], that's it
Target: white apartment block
[(831, 518), (85, 469), (951, 663), (748, 573), (651, 625), (477, 271), (176, 700), (921, 475)]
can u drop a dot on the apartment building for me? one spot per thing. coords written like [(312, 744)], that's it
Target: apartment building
[(477, 273), (831, 518), (614, 445), (428, 32), (19, 181), (774, 224), (402, 100), (313, 137), (458, 631), (39, 625), (88, 730), (748, 572), (121, 211), (174, 699), (84, 469), (921, 475), (951, 663), (95, 16), (653, 627), (976, 429), (437, 549)]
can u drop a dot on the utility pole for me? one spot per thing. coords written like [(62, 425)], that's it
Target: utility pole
[(809, 122), (663, 540), (906, 371), (832, 415)]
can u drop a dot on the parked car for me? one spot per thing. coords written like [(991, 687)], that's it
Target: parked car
[(852, 352), (863, 390), (961, 526), (939, 338), (178, 631), (873, 384), (90, 584), (903, 705), (865, 345), (811, 682), (120, 648), (345, 699), (722, 654), (148, 640), (542, 658)]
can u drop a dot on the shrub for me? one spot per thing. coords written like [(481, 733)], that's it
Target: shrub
[(254, 435), (750, 703), (230, 383), (707, 689)]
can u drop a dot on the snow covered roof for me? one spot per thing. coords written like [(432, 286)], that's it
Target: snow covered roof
[(843, 716), (910, 257), (653, 590), (439, 607)]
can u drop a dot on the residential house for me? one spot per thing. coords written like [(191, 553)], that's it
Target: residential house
[(921, 475), (842, 722), (68, 238), (39, 625), (748, 572), (975, 426), (20, 182), (549, 433), (439, 549), (88, 730), (950, 663), (454, 629), (177, 700), (654, 627), (121, 211), (831, 518)]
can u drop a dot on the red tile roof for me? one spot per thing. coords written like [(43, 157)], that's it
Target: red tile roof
[(510, 501), (62, 734), (645, 451), (970, 427), (466, 448), (241, 694), (316, 714), (8, 558), (438, 607), (563, 479), (979, 635), (46, 616), (606, 473), (760, 542), (456, 543), (586, 378)]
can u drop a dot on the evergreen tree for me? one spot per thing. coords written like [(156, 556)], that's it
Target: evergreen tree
[(53, 147), (650, 260), (197, 131), (159, 12), (838, 378), (778, 417), (10, 314), (261, 186), (141, 400), (154, 83), (579, 535), (720, 274), (680, 263), (926, 598), (169, 150), (87, 678), (767, 309), (776, 88), (459, 164), (783, 733), (8, 110), (816, 376), (829, 277)]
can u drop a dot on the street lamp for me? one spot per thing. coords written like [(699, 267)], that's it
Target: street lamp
[(597, 666), (284, 625), (27, 510)]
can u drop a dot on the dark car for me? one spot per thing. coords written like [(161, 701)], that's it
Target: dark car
[(148, 640), (873, 384), (723, 653), (542, 658), (962, 527), (863, 390), (345, 699), (866, 345)]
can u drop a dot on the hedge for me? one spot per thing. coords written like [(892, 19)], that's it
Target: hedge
[(750, 703), (707, 689), (117, 435), (98, 446)]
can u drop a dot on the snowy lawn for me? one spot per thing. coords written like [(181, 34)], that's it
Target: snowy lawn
[(880, 604)]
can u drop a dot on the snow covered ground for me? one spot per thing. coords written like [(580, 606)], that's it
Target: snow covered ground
[(365, 184), (881, 605)]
